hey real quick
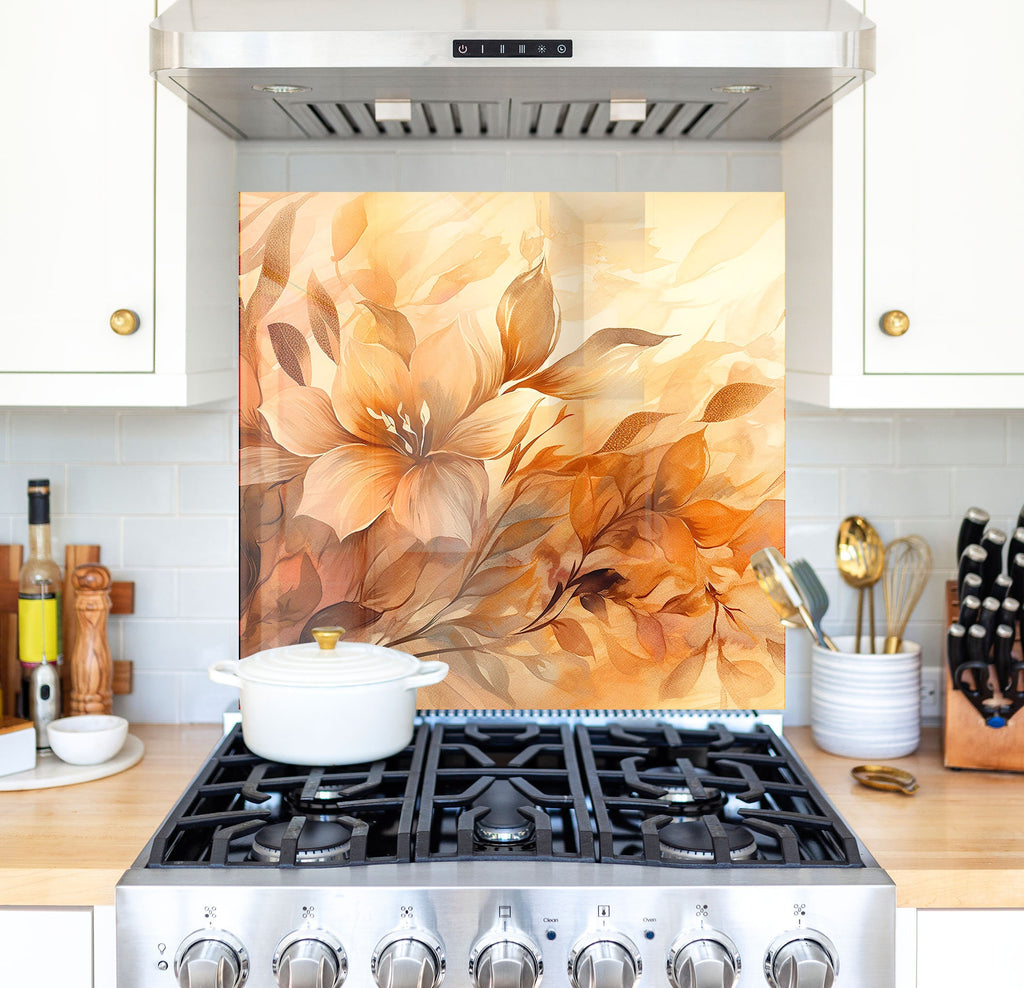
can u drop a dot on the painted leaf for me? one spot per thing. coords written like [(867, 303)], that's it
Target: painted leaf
[(347, 614), (629, 428), (734, 400), (593, 369), (741, 227), (393, 330), (376, 285), (347, 225), (744, 680), (275, 269), (571, 636), (528, 322), (684, 465), (713, 523), (651, 635), (490, 257), (291, 350), (680, 682), (593, 505), (323, 317), (269, 465)]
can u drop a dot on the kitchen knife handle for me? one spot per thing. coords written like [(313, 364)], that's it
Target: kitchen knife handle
[(977, 662), (971, 528), (972, 560), (955, 653), (1009, 612), (970, 608), (988, 618), (993, 542), (1001, 587), (1016, 545), (1005, 635), (1016, 570)]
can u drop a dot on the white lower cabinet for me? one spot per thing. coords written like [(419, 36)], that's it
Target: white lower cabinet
[(969, 947), (45, 947)]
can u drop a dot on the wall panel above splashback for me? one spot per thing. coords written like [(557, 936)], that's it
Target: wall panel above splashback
[(538, 434)]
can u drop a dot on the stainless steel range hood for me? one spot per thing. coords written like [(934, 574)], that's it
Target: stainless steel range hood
[(394, 69)]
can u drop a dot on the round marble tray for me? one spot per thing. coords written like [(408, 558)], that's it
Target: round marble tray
[(50, 771)]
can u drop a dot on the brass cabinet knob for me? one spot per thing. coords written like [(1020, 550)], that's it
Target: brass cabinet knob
[(895, 323), (124, 322)]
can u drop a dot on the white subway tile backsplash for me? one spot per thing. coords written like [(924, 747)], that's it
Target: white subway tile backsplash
[(179, 645), (569, 171), (363, 172), (649, 172), (209, 593), (755, 172), (156, 592), (1015, 439), (71, 437), (175, 437), (814, 440), (261, 171), (897, 493), (104, 531), (14, 478), (179, 542), (963, 439), (115, 489), (811, 540), (812, 493), (448, 173), (209, 490), (203, 701), (999, 490), (154, 699)]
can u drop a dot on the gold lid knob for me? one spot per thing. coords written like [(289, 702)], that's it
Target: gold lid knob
[(124, 322), (895, 323), (327, 638)]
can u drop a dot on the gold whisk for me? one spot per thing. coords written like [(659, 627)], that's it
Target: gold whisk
[(908, 564)]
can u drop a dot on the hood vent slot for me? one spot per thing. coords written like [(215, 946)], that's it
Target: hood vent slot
[(574, 120), (354, 119), (591, 119)]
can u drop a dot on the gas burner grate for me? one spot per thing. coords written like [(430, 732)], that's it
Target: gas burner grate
[(643, 779), (238, 793), (500, 790), (629, 791)]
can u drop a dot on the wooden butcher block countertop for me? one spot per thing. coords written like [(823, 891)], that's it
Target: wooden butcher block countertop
[(958, 843)]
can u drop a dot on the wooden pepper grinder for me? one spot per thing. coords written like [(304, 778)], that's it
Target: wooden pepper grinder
[(92, 669)]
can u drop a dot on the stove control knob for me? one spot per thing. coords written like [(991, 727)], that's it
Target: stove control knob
[(310, 959), (211, 959), (608, 960), (505, 961), (801, 959), (707, 960), (410, 959)]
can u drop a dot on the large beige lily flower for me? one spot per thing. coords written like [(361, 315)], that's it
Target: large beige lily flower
[(406, 438)]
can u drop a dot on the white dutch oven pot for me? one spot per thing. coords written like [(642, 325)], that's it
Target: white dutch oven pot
[(327, 703)]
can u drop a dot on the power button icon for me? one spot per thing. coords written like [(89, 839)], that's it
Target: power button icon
[(463, 49)]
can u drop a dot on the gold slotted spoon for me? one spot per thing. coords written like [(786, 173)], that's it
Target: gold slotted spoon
[(860, 559)]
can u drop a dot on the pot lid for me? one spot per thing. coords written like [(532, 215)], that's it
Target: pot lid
[(330, 663)]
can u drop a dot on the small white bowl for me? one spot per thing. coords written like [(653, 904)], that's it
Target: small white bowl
[(88, 739)]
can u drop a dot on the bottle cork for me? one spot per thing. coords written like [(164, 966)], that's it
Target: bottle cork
[(92, 669)]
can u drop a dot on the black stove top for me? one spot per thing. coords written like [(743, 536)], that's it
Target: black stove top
[(634, 792)]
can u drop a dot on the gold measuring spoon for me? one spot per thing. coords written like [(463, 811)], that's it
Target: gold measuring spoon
[(885, 777), (860, 559)]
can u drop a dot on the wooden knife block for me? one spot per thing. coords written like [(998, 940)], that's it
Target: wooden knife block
[(122, 596), (967, 741)]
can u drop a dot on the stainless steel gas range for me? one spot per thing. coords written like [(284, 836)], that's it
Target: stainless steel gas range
[(592, 851)]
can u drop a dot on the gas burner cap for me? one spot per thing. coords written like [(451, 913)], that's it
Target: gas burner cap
[(502, 824), (327, 801), (691, 841), (682, 800), (319, 843)]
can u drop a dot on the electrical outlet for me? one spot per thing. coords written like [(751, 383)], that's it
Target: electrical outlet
[(931, 694)]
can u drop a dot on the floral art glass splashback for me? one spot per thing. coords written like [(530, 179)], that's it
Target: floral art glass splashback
[(537, 435)]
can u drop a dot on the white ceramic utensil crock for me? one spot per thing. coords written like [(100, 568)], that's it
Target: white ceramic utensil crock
[(327, 703)]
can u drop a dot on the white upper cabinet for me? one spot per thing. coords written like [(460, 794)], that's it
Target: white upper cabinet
[(907, 198), (98, 220)]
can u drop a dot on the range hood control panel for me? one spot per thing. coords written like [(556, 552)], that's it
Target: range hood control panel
[(516, 48)]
